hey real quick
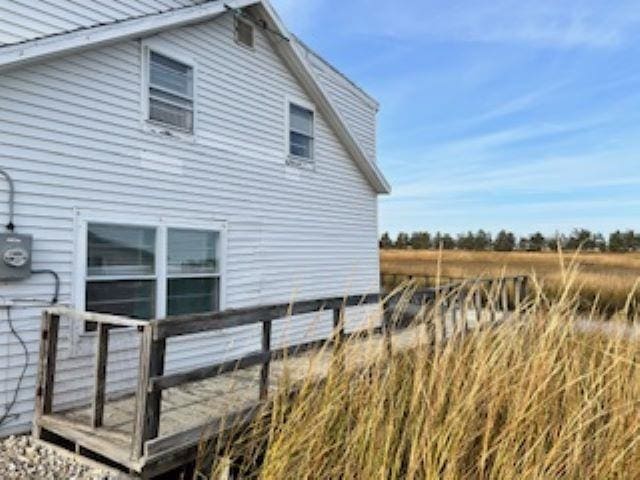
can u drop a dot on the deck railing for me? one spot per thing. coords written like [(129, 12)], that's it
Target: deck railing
[(151, 377), (451, 299)]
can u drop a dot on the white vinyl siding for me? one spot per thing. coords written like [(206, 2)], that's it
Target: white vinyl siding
[(358, 110), (72, 139)]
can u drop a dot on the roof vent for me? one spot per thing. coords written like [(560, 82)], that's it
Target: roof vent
[(244, 32)]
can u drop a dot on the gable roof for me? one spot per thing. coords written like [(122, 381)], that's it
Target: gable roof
[(82, 38)]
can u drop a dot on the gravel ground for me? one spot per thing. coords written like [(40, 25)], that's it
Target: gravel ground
[(23, 458)]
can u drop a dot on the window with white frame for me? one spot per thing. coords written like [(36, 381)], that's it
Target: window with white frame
[(170, 92), (146, 272), (301, 131), (121, 270), (193, 272)]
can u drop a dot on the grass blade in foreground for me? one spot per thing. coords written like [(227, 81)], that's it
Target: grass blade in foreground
[(532, 398)]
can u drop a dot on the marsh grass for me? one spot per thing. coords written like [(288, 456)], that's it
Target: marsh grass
[(536, 396), (603, 280)]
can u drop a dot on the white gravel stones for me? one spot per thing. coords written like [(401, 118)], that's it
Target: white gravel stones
[(22, 458)]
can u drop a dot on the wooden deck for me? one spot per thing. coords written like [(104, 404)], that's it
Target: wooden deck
[(194, 406), (159, 427)]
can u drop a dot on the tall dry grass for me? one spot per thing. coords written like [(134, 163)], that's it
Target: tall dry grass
[(549, 394), (602, 278)]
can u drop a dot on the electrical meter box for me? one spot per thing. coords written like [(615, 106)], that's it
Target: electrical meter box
[(15, 256)]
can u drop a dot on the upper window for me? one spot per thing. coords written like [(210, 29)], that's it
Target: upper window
[(126, 276), (300, 132), (170, 92), (244, 32)]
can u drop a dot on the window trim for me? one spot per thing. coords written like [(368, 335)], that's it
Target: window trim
[(238, 19), (152, 126), (295, 160), (82, 342)]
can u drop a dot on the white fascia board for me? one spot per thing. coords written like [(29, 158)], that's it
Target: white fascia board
[(37, 50), (305, 75)]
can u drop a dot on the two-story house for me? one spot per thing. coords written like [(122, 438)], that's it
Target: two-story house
[(169, 157)]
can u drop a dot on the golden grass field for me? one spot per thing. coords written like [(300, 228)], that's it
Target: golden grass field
[(536, 397), (607, 278)]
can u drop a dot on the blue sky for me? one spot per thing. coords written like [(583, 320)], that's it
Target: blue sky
[(518, 114)]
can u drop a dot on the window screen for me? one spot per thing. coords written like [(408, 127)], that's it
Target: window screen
[(300, 132), (170, 92)]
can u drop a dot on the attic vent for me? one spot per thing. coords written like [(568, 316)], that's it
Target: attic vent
[(244, 32)]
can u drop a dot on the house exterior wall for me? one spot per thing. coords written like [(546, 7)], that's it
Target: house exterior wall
[(72, 137)]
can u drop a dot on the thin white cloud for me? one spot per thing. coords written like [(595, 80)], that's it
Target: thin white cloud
[(473, 150), (546, 175), (539, 22)]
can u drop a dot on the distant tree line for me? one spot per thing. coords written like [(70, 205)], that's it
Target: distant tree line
[(505, 241)]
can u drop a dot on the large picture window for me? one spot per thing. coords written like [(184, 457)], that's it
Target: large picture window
[(147, 272)]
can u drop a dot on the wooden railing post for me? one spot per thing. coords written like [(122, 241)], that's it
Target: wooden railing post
[(463, 295), (517, 292), (100, 373), (504, 294), (454, 312), (265, 370), (387, 321), (524, 286), (338, 326), (148, 402), (444, 307), (492, 300), (477, 303), (46, 367)]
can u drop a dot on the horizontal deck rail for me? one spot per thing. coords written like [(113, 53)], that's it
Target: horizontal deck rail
[(99, 318), (205, 322)]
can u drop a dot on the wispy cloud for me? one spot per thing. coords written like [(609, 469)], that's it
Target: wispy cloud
[(543, 22), (580, 177), (478, 148), (517, 104)]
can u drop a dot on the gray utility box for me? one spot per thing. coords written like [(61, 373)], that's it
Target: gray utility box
[(15, 256)]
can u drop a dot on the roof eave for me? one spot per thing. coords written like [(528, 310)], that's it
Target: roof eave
[(37, 50)]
